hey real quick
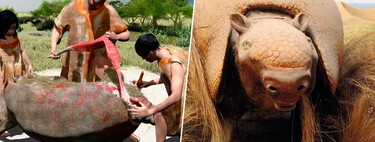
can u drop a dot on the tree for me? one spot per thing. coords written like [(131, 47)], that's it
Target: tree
[(178, 11), (117, 5), (143, 9), (7, 8), (133, 10), (50, 9), (45, 14), (157, 9)]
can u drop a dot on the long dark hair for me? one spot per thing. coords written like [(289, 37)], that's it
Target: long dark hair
[(7, 18)]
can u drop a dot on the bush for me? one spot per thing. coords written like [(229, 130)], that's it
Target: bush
[(165, 30), (183, 41), (25, 19), (138, 28), (134, 27), (183, 38), (46, 24), (180, 36)]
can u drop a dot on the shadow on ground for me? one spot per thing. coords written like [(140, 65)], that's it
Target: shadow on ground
[(17, 135)]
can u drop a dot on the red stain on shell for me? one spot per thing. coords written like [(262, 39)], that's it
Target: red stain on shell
[(61, 86), (106, 117)]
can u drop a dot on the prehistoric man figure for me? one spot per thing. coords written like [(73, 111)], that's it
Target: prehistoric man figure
[(12, 55), (172, 63), (86, 20)]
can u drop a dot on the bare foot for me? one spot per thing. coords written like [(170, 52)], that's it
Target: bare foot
[(135, 138), (5, 134)]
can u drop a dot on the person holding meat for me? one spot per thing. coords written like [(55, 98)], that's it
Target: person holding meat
[(86, 20)]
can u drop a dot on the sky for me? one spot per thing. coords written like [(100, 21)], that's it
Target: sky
[(21, 5), (29, 5), (357, 1)]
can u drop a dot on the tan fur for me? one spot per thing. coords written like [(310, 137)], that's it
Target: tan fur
[(309, 128), (357, 90), (201, 123)]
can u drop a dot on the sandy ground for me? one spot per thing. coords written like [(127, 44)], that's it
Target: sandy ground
[(155, 94)]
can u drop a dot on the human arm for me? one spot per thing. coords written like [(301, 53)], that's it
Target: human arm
[(144, 84), (177, 82), (62, 24), (118, 27), (83, 46), (1, 81), (55, 37), (123, 36), (30, 69), (89, 45)]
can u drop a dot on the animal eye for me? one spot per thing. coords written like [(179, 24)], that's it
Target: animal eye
[(246, 43), (311, 43), (308, 39)]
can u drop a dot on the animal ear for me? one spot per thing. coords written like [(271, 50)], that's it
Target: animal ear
[(239, 23), (301, 22)]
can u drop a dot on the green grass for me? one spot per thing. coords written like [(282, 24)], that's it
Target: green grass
[(134, 36), (38, 48), (165, 22), (24, 14), (28, 27)]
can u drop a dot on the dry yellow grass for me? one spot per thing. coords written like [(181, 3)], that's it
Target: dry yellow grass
[(356, 89), (356, 21)]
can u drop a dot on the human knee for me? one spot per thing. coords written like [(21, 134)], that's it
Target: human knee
[(158, 116)]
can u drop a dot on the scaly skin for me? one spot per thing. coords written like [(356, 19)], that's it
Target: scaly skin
[(112, 54), (59, 110), (212, 29), (275, 44), (277, 55)]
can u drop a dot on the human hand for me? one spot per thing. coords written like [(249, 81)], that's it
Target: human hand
[(138, 109), (140, 84), (111, 35), (30, 70), (53, 55)]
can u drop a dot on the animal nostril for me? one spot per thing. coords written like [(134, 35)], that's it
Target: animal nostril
[(272, 89), (300, 88)]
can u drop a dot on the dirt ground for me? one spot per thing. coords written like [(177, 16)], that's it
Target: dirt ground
[(146, 132)]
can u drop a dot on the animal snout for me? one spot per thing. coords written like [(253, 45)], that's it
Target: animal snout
[(286, 89), (275, 87)]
